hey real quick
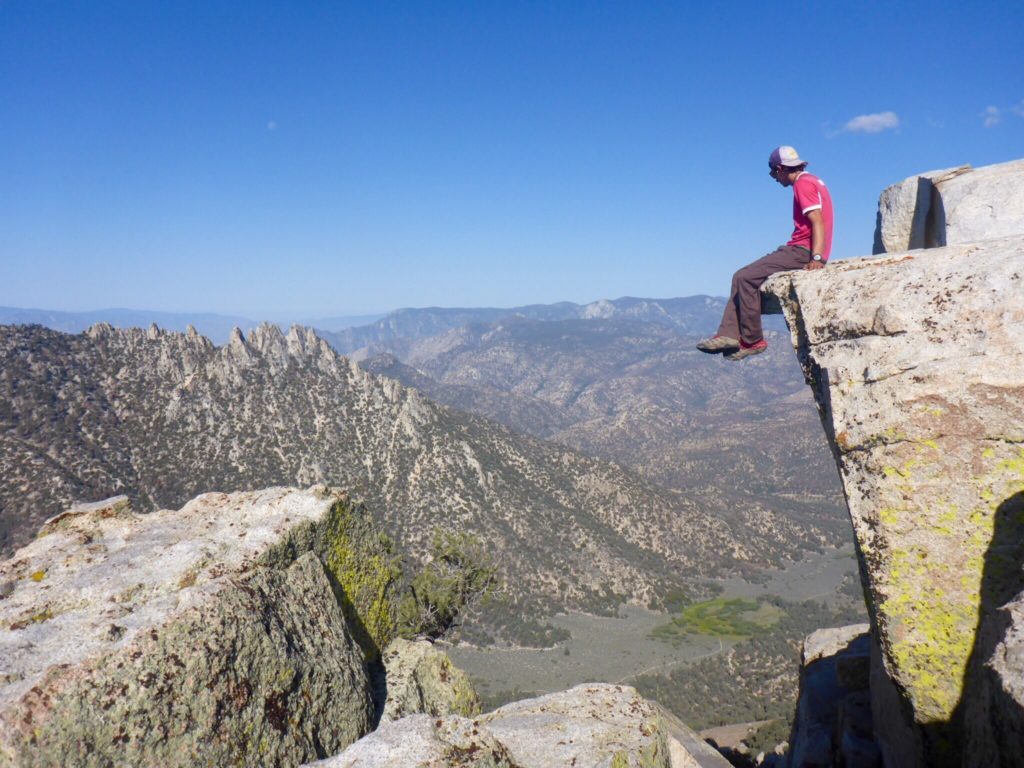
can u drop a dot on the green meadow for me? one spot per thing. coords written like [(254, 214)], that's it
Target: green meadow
[(732, 617)]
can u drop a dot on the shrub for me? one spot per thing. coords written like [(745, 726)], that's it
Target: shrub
[(459, 572)]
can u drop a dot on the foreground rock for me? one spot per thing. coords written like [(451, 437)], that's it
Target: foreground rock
[(209, 635), (422, 679), (916, 361), (833, 724), (589, 725), (951, 207)]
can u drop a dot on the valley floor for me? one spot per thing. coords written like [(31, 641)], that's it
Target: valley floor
[(619, 650)]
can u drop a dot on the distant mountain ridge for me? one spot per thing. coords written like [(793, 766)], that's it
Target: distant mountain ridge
[(216, 327), (698, 315), (638, 393)]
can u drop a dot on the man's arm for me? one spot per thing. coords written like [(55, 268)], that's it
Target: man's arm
[(817, 237)]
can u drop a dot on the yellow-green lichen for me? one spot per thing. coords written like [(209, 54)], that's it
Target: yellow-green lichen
[(360, 562), (1013, 466), (38, 576), (655, 753), (36, 618), (945, 522), (888, 516), (930, 632), (368, 573), (904, 472), (466, 702), (929, 605)]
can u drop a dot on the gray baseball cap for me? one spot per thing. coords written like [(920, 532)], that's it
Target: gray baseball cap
[(784, 155)]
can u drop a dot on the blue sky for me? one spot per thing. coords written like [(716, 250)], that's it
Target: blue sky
[(269, 159)]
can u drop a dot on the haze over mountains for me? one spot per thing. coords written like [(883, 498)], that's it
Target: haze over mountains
[(600, 455), (164, 416), (690, 315), (633, 392), (621, 380)]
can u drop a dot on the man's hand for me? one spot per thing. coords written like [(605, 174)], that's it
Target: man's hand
[(817, 238)]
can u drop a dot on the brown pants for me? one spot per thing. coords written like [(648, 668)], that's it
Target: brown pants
[(742, 317)]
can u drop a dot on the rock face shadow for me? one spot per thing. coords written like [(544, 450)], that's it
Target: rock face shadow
[(987, 725), (935, 221)]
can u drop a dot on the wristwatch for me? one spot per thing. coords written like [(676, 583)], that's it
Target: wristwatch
[(816, 257)]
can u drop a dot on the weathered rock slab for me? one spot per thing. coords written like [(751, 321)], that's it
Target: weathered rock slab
[(422, 679), (586, 725), (589, 725), (916, 361), (981, 204), (833, 719), (902, 215), (830, 641), (951, 207), (210, 634), (423, 741)]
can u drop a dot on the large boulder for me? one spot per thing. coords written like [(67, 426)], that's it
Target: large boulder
[(916, 361), (208, 635), (589, 725), (422, 679), (424, 741), (585, 725), (951, 207), (833, 723)]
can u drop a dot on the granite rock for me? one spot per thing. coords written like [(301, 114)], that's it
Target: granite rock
[(833, 715), (981, 204), (585, 725), (422, 679), (207, 635), (951, 207), (829, 641), (915, 360), (609, 726), (424, 741)]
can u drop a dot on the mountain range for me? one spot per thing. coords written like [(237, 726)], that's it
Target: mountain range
[(216, 327), (633, 392), (689, 315), (164, 416)]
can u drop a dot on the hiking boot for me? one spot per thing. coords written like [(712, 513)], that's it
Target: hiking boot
[(747, 350), (718, 344)]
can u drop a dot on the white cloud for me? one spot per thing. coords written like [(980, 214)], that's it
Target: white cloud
[(876, 123), (272, 125), (991, 116), (1019, 109)]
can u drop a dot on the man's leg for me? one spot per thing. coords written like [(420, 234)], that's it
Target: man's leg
[(748, 287), (726, 339), (730, 325)]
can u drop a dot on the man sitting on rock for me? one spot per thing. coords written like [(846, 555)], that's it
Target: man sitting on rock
[(740, 333)]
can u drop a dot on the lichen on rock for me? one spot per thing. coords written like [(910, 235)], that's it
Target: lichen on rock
[(915, 361), (206, 635), (422, 679), (589, 725), (365, 572)]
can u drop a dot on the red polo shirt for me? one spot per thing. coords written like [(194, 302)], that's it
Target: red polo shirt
[(811, 194)]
